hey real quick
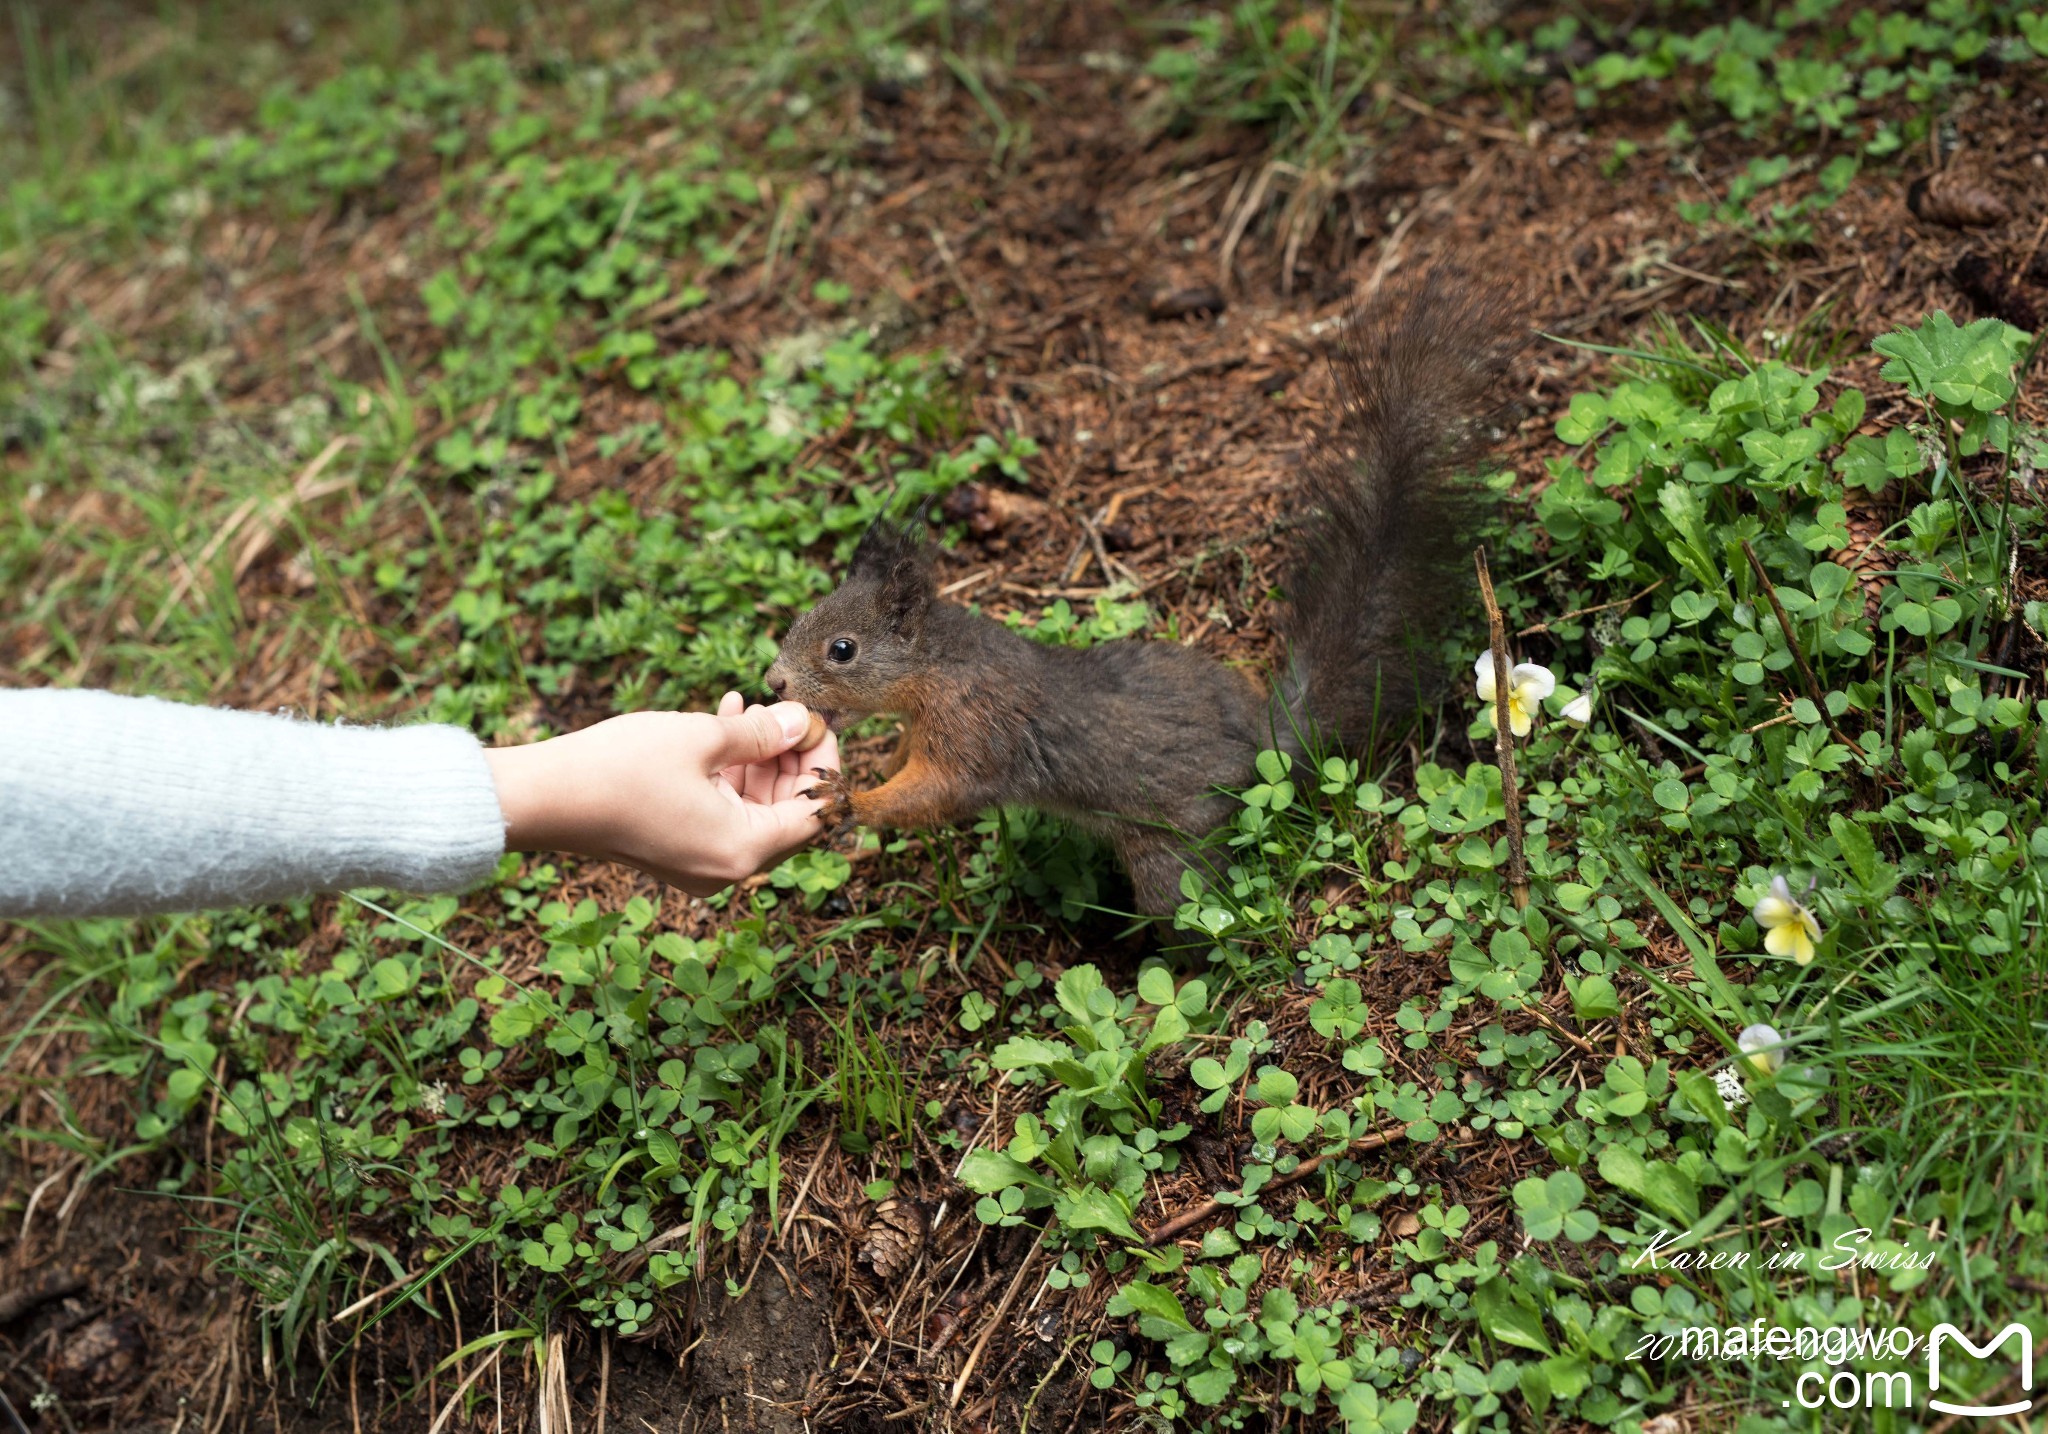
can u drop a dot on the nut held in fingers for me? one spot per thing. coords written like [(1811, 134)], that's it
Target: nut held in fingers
[(813, 734)]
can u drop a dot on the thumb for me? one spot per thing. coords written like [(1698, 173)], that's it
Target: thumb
[(782, 828), (758, 733)]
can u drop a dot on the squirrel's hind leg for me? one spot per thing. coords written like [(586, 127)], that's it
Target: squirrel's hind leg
[(1155, 858)]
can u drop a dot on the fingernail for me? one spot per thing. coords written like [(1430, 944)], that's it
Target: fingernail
[(792, 717)]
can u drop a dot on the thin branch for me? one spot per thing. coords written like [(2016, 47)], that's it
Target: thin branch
[(995, 1320), (1187, 1219), (1813, 688), (1504, 735), (1628, 601), (1544, 1018)]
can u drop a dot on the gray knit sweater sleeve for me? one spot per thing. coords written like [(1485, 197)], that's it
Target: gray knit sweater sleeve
[(124, 805)]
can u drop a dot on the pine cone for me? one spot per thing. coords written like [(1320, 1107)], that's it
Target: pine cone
[(896, 1232), (1868, 559), (1956, 198)]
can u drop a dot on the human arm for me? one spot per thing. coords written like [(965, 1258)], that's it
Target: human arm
[(115, 805)]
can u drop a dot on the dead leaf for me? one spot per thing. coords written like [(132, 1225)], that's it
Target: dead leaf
[(646, 90), (987, 508), (101, 1357)]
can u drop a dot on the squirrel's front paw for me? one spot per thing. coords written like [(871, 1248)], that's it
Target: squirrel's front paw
[(835, 793)]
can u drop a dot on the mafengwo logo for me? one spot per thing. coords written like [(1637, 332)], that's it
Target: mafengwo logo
[(1948, 1333)]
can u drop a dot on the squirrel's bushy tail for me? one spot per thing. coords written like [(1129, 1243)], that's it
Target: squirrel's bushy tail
[(1385, 562)]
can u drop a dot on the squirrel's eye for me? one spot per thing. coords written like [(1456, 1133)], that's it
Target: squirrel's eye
[(840, 649)]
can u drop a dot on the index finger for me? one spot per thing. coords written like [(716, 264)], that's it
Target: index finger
[(799, 769)]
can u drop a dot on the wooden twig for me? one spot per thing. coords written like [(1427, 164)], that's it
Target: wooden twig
[(995, 1320), (1544, 1018), (483, 1366), (1504, 735), (47, 1286), (796, 1205), (1813, 688), (1187, 1219), (371, 1298), (1222, 364), (1113, 572), (13, 1418), (1449, 121), (1628, 601)]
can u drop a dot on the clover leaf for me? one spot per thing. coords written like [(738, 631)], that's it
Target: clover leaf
[(1550, 1206), (1339, 1014)]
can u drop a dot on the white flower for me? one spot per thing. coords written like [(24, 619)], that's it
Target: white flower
[(1528, 684), (1730, 1085), (1789, 928), (1579, 711), (1762, 1047), (434, 1099)]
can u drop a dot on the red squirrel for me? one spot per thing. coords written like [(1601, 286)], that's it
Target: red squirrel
[(1147, 742)]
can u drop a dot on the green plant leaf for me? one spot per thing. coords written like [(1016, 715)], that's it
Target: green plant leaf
[(1142, 1297), (986, 1172), (1155, 986), (1092, 1209), (1506, 1320), (1968, 367)]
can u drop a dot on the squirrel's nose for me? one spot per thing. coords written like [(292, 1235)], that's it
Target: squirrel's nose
[(778, 682)]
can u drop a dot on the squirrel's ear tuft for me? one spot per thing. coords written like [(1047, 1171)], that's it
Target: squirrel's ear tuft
[(907, 592), (895, 558), (885, 544)]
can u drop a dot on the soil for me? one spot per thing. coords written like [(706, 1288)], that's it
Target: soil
[(760, 1349), (1098, 294)]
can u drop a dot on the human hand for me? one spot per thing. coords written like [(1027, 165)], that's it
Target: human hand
[(781, 777), (696, 800)]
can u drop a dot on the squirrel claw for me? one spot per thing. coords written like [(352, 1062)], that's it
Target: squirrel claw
[(835, 793)]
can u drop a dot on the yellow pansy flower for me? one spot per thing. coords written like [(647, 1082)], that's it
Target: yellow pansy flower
[(1789, 928), (1528, 684)]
